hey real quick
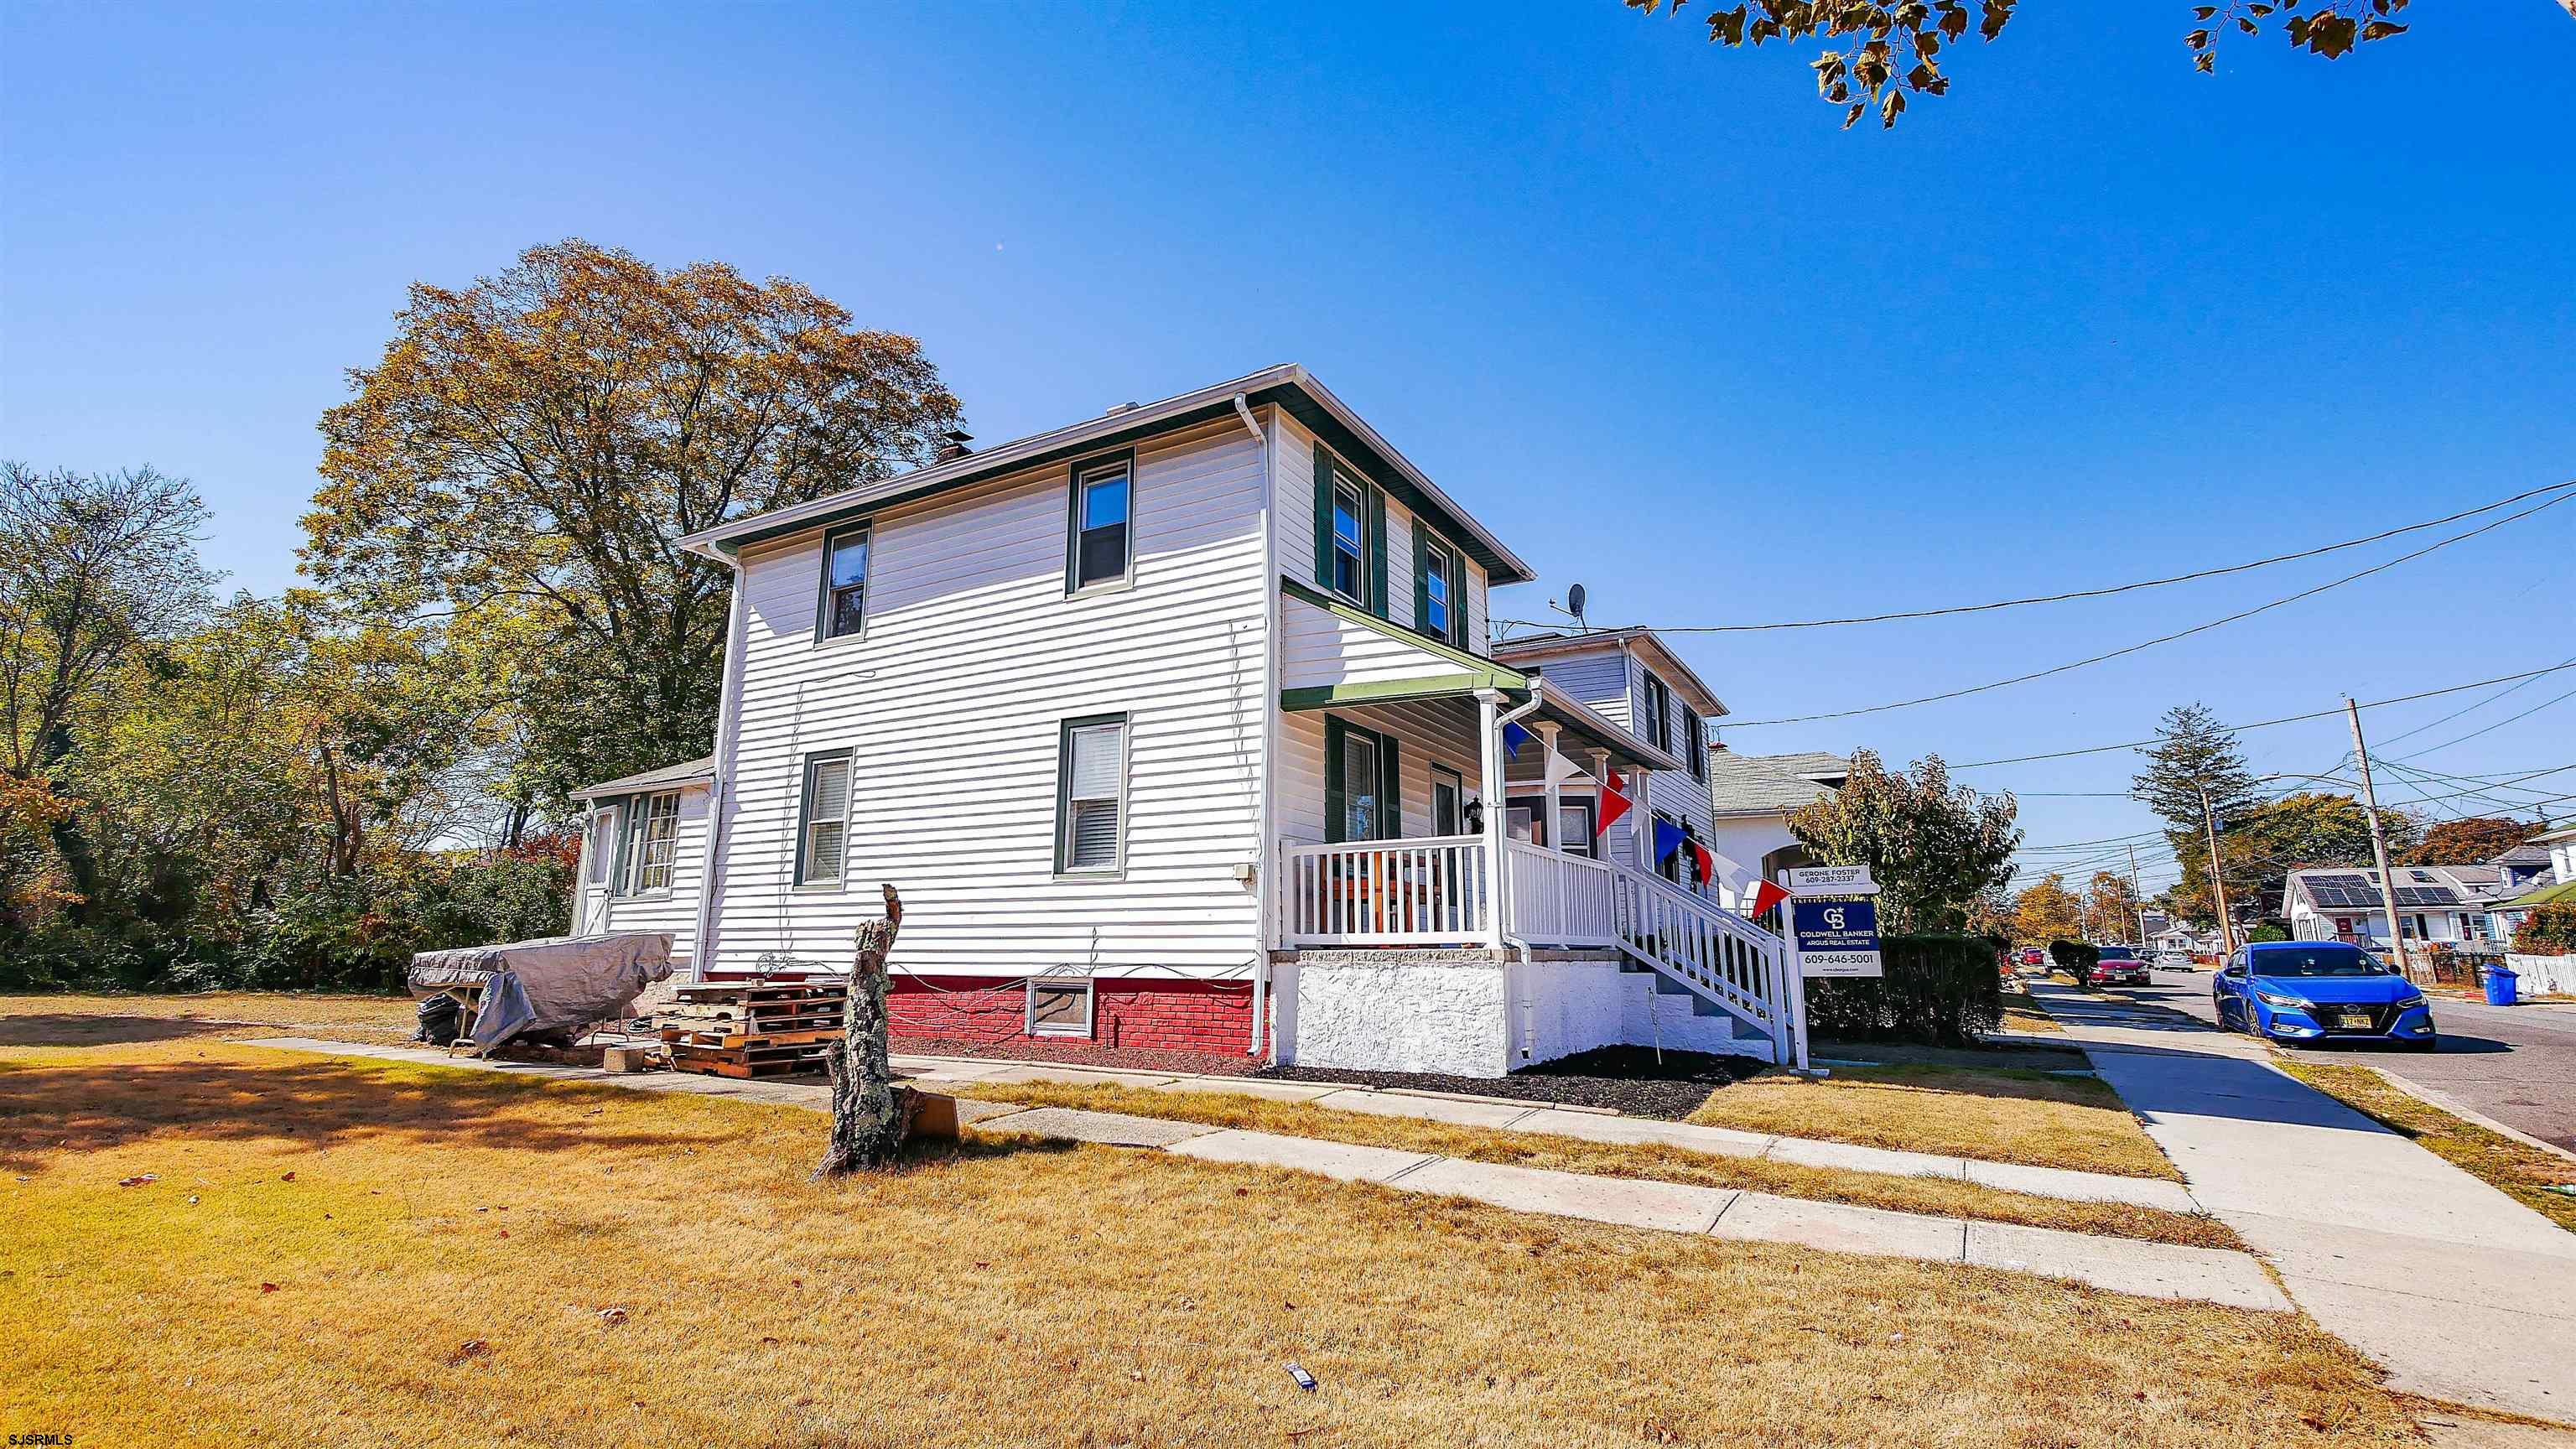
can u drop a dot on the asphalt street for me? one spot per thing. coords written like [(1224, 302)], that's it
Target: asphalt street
[(2516, 1064)]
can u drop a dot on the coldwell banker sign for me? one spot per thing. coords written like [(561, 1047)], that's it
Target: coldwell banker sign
[(1833, 921)]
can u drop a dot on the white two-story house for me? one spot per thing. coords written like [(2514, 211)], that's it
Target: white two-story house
[(1179, 728)]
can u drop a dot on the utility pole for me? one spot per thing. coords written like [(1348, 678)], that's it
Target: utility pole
[(2217, 880), (2138, 896), (2378, 843)]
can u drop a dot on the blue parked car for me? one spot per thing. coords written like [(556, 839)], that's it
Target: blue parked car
[(2319, 990)]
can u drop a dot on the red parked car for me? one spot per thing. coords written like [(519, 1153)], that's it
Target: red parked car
[(2116, 966)]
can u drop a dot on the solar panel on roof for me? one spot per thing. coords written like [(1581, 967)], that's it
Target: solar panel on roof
[(2427, 896)]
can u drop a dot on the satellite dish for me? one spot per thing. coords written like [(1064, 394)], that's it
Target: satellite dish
[(1574, 602)]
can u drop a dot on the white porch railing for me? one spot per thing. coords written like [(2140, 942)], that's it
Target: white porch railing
[(1560, 900), (1717, 953), (1433, 891)]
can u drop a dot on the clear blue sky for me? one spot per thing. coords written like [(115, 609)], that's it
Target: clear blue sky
[(1637, 300)]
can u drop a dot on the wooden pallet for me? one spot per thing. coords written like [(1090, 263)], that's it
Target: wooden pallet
[(752, 1028)]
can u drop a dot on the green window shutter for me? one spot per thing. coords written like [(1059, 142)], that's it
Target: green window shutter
[(1458, 600), (1324, 519), (1336, 807), (1421, 567), (1377, 551), (1390, 797)]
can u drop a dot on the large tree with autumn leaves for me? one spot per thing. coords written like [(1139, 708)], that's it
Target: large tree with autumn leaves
[(529, 451)]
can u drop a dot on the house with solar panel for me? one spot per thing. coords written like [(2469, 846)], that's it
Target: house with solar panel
[(2449, 905), (1181, 727)]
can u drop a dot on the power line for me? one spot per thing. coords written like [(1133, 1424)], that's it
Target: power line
[(2161, 639), (2091, 593), (2499, 724), (2268, 723), (2455, 714)]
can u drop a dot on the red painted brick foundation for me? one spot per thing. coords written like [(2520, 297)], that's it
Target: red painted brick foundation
[(1154, 1015)]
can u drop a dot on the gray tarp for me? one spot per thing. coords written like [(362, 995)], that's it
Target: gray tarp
[(569, 984)]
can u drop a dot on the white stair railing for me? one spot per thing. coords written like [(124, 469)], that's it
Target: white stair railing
[(1560, 900), (1720, 956), (1435, 891)]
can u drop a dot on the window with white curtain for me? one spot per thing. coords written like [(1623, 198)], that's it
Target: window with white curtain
[(823, 830), (652, 843), (1091, 803)]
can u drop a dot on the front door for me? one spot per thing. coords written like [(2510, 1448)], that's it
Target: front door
[(591, 917)]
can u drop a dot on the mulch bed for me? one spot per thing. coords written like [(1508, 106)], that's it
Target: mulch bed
[(1131, 1059), (1626, 1078)]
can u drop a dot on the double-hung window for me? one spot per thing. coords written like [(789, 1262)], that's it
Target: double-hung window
[(1091, 795), (1659, 709), (1350, 542), (1102, 548), (1439, 585), (845, 581), (652, 843), (823, 822)]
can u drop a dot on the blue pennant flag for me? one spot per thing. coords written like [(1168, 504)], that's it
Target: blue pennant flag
[(1668, 838), (1513, 738)]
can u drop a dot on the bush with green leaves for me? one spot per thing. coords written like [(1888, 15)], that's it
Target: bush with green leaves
[(1941, 990), (2074, 957)]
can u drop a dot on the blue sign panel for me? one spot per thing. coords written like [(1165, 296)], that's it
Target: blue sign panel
[(1835, 935)]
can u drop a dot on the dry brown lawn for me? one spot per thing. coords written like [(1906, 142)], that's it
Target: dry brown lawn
[(359, 1254), (1946, 1197), (2001, 1115), (339, 1014)]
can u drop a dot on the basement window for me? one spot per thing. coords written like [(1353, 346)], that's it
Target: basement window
[(1059, 1006)]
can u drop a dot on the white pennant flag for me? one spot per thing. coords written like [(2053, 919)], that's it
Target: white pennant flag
[(1559, 768)]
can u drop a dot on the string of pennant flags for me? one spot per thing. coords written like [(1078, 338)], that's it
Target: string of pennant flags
[(1759, 894)]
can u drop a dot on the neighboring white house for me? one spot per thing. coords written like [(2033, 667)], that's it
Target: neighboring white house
[(1750, 800), (1174, 728), (1633, 679), (2450, 905), (2537, 872)]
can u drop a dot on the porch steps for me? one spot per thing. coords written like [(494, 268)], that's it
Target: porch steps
[(1724, 963)]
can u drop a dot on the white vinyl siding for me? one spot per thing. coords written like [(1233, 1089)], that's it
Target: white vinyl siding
[(1296, 539), (951, 707), (1613, 682), (1428, 733), (1319, 647)]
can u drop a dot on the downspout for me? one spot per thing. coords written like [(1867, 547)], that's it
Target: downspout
[(1517, 1003), (1265, 858), (720, 787)]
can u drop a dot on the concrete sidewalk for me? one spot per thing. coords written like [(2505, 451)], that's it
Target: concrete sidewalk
[(2155, 1270), (2460, 1292), (1589, 1124)]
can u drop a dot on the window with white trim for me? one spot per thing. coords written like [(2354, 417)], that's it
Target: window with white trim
[(1058, 1006), (1659, 709), (823, 820), (1694, 743), (1439, 575), (1350, 543), (652, 843), (1101, 536), (845, 581), (1091, 801)]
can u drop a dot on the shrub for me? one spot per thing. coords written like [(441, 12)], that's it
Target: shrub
[(2269, 931), (2550, 930), (2073, 957), (1943, 990)]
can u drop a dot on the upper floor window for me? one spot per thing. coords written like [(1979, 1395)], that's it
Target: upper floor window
[(1350, 543), (1694, 743), (1101, 550), (1659, 710), (652, 843), (845, 581), (1439, 582), (1091, 800)]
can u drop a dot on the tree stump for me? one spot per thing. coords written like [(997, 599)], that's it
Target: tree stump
[(870, 1114)]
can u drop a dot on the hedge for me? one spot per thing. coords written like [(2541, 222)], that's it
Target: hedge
[(1943, 990), (2074, 957)]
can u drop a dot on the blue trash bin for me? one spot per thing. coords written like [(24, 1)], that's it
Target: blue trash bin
[(2500, 983)]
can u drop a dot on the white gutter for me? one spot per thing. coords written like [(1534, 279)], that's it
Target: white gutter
[(720, 789), (1265, 861)]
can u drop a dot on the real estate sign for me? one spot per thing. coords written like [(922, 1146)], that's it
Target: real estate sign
[(1835, 935), (1831, 880)]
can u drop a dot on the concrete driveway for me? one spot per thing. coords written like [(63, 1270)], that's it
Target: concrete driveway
[(2516, 1064), (2460, 1292)]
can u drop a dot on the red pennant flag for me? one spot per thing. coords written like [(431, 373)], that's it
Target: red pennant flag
[(1613, 804), (1766, 894), (1707, 862)]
